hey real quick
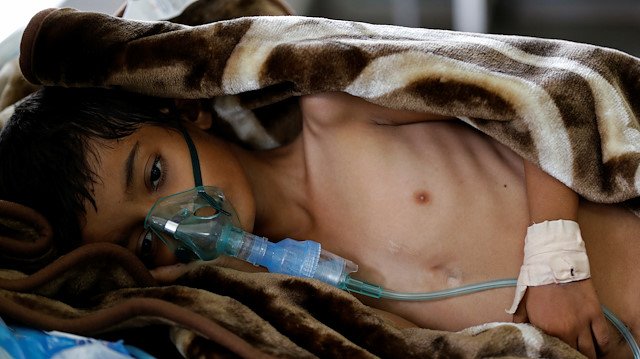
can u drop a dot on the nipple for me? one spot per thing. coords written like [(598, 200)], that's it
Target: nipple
[(421, 197)]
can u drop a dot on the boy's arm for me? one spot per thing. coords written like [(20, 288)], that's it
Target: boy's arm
[(570, 311)]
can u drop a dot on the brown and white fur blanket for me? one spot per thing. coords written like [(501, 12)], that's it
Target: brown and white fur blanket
[(571, 108)]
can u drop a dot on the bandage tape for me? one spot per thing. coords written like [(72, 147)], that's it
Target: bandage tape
[(554, 253)]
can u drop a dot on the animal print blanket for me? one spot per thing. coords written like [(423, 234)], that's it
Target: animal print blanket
[(571, 108)]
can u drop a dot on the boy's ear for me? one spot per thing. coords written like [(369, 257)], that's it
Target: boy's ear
[(203, 120), (192, 111)]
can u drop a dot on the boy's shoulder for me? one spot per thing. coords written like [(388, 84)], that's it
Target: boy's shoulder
[(330, 109), (339, 108)]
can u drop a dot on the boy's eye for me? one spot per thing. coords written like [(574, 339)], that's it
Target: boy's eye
[(156, 173)]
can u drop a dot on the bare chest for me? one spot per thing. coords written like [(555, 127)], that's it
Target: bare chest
[(420, 207)]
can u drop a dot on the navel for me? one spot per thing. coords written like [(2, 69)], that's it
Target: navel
[(421, 197)]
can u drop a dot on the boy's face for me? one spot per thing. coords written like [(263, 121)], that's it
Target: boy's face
[(152, 163)]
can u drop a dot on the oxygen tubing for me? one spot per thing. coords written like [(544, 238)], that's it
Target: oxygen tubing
[(626, 334), (359, 286), (356, 285), (446, 293)]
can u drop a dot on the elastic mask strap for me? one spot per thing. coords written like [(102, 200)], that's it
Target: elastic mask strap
[(197, 175)]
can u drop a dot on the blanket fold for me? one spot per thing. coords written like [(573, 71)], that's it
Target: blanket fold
[(102, 289), (571, 108), (25, 237)]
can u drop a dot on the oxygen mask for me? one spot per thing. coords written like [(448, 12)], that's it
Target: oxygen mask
[(194, 224), (201, 224)]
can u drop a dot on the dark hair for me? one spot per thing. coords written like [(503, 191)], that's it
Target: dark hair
[(46, 150)]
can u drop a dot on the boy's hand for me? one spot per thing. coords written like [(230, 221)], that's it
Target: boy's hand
[(170, 273), (571, 312)]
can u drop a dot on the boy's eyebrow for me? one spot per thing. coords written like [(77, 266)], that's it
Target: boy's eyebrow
[(128, 166)]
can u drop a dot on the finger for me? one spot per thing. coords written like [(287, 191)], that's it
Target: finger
[(586, 345), (520, 316), (237, 264), (601, 335)]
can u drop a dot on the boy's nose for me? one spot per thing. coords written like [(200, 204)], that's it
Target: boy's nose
[(136, 211), (144, 208)]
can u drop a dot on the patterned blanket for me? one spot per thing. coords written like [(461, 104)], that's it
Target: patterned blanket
[(571, 108)]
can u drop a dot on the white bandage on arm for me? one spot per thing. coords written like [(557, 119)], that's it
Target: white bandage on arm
[(554, 252)]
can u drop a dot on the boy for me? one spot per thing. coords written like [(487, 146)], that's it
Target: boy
[(420, 202)]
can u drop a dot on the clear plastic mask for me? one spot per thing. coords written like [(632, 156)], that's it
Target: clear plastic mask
[(192, 223)]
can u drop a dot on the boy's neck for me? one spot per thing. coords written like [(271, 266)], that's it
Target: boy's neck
[(280, 188)]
